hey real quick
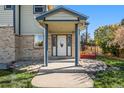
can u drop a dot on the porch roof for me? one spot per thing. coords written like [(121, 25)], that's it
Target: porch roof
[(75, 13)]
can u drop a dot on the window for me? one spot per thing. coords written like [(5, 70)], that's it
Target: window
[(54, 40), (39, 8), (38, 41), (8, 7), (69, 40)]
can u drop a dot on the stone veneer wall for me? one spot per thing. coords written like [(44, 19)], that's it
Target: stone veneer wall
[(26, 50), (14, 47), (17, 47), (7, 44)]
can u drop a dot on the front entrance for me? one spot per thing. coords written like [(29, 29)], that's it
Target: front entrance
[(62, 45)]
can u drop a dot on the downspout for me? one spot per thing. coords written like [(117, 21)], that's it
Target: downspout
[(19, 20), (14, 18)]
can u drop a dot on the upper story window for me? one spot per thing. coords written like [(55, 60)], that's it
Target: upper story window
[(39, 8), (8, 7)]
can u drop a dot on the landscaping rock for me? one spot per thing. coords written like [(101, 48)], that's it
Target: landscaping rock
[(93, 65), (3, 66), (28, 65), (113, 68)]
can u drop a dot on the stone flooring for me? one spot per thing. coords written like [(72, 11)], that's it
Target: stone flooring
[(63, 73)]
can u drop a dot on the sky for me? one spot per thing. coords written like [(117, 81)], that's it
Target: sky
[(99, 15), (38, 38)]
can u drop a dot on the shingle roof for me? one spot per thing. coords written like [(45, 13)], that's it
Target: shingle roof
[(81, 16)]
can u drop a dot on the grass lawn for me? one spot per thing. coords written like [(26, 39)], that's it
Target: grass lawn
[(15, 79), (110, 78), (111, 61)]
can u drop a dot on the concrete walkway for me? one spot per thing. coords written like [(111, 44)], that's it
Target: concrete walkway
[(63, 74), (63, 80)]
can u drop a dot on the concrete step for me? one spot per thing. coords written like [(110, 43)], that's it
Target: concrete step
[(66, 71), (60, 58)]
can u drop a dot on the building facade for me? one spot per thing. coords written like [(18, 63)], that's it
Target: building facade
[(57, 27)]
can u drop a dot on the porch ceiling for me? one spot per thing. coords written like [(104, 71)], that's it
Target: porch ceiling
[(62, 20), (61, 27)]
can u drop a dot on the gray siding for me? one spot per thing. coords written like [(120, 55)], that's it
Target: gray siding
[(6, 17), (29, 25), (61, 16), (17, 19)]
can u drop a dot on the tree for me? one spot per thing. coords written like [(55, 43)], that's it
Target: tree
[(84, 40), (122, 22), (110, 38), (83, 37), (104, 37), (119, 37)]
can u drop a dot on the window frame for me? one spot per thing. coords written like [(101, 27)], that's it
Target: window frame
[(42, 6), (54, 40), (38, 47), (5, 8), (69, 40)]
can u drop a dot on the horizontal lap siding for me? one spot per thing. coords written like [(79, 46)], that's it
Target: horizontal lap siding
[(61, 16), (6, 17), (29, 25)]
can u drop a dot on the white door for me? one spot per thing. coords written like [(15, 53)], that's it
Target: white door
[(61, 45)]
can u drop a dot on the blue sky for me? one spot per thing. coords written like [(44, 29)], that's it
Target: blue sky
[(100, 15)]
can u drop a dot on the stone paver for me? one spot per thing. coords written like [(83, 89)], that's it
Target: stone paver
[(63, 80)]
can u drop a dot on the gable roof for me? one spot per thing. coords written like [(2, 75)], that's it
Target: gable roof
[(59, 8)]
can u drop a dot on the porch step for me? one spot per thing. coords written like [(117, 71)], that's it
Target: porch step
[(68, 66), (59, 58), (66, 70)]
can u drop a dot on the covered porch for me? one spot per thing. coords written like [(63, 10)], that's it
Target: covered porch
[(62, 28)]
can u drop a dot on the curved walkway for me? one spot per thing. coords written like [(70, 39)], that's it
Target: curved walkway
[(63, 80), (65, 75)]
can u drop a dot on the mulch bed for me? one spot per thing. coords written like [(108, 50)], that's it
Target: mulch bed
[(88, 56)]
